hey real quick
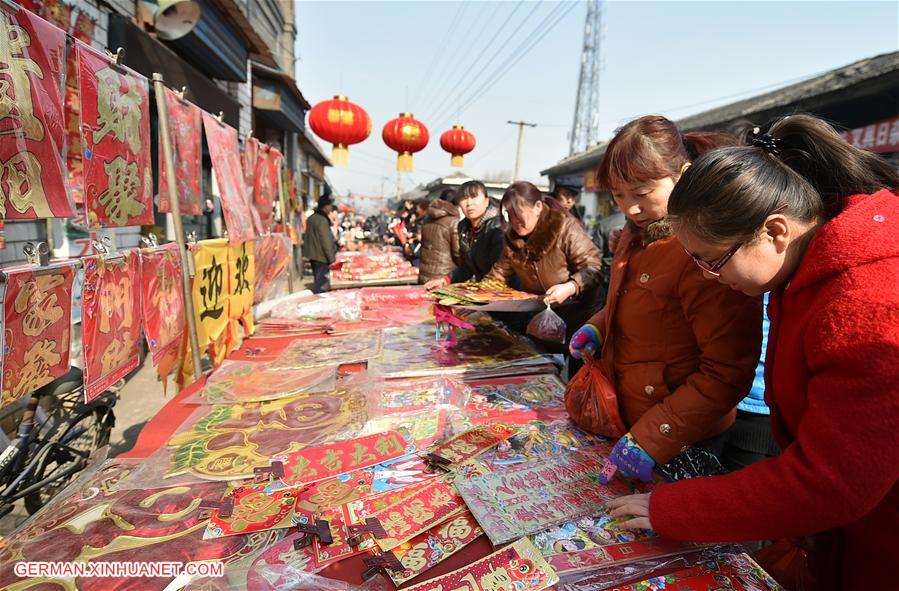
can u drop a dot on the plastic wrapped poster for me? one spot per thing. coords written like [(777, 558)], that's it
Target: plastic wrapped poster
[(37, 320), (738, 572), (422, 394), (253, 507), (223, 151), (254, 381), (32, 145), (162, 302), (423, 427), (185, 119), (399, 473), (331, 351), (111, 320), (432, 547), (539, 438), (532, 496), (115, 139), (488, 296), (472, 443), (518, 566), (272, 256)]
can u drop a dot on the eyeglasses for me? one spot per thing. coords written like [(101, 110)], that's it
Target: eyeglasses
[(714, 268)]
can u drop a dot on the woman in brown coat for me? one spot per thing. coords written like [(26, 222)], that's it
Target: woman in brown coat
[(550, 253), (680, 351), (439, 240)]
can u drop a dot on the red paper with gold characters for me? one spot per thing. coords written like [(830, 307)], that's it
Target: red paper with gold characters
[(115, 136), (185, 119), (223, 151), (37, 318), (265, 184), (257, 507), (32, 121), (162, 301), (319, 463), (271, 256), (339, 520), (110, 320), (473, 442), (432, 547)]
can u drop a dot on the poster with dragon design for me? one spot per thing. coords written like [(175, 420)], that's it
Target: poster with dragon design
[(37, 319), (223, 150), (111, 320), (185, 119), (32, 120), (115, 138), (162, 303)]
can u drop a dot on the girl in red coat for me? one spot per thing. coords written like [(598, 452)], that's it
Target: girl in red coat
[(815, 221)]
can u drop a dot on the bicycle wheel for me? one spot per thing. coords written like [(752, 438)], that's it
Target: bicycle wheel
[(61, 458)]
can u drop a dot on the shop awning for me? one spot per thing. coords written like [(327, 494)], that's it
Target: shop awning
[(277, 100)]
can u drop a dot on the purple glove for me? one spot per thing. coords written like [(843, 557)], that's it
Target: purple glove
[(585, 341), (628, 458)]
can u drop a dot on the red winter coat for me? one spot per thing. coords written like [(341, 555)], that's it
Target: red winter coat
[(832, 382)]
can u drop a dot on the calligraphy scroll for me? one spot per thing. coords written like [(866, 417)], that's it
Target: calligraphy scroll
[(429, 549), (326, 461), (32, 123), (518, 566), (37, 318), (184, 127), (110, 321), (272, 255), (210, 289), (240, 286), (265, 185), (115, 136), (223, 151)]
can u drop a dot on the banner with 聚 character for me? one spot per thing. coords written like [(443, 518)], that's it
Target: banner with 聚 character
[(115, 136), (185, 119), (37, 320), (32, 121)]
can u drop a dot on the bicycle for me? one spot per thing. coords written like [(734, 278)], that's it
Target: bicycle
[(57, 434)]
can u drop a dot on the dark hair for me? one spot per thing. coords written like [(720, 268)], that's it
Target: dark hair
[(523, 192), (448, 195), (727, 194), (423, 203), (652, 147), (471, 189)]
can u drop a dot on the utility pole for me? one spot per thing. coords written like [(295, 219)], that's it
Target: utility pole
[(585, 127), (398, 189), (521, 125)]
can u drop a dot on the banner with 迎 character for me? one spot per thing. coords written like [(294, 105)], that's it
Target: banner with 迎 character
[(272, 257), (162, 304), (110, 320), (115, 136), (32, 121), (210, 290), (185, 119), (37, 319), (223, 151)]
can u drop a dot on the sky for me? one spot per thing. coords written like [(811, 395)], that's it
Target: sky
[(482, 64)]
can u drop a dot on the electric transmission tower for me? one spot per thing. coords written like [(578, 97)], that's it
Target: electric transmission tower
[(585, 128)]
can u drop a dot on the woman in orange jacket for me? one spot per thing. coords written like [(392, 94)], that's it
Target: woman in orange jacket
[(679, 351)]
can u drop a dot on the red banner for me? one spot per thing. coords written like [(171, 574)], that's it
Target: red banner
[(32, 124), (37, 319), (184, 127), (879, 137), (115, 136), (265, 185), (222, 140), (248, 159), (110, 321), (161, 300), (272, 257)]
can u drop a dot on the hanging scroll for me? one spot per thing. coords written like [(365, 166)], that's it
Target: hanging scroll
[(272, 257), (163, 304), (265, 185), (223, 151), (210, 289), (37, 318), (115, 135), (110, 321), (32, 124), (184, 127)]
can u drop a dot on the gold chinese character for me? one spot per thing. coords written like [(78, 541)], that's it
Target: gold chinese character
[(40, 306), (117, 112), (16, 103), (20, 185), (116, 299), (120, 199)]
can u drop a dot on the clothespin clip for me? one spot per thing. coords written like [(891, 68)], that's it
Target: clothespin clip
[(220, 117), (224, 507), (10, 5), (37, 253), (149, 241), (102, 246), (321, 529), (181, 93), (371, 526), (275, 470), (436, 462), (192, 236), (381, 563)]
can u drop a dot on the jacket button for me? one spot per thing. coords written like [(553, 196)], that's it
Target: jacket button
[(665, 429), (684, 449), (649, 390), (644, 277)]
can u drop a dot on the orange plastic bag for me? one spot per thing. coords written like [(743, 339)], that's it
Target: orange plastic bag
[(592, 403)]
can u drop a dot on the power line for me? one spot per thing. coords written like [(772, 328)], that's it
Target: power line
[(483, 156), (441, 47)]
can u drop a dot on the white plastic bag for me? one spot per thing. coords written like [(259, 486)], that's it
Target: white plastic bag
[(547, 326)]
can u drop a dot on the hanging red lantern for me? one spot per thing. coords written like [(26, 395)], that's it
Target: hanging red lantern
[(342, 123), (458, 142), (406, 135)]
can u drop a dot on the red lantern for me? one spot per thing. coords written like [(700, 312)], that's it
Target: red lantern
[(342, 123), (406, 135), (458, 142)]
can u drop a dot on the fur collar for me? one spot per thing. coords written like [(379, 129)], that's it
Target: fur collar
[(535, 246), (653, 232)]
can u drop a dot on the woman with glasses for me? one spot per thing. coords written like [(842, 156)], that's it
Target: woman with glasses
[(679, 351), (813, 220)]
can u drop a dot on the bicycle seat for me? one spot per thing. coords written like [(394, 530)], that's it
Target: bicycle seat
[(67, 382)]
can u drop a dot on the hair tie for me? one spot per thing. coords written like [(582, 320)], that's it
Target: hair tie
[(766, 142)]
